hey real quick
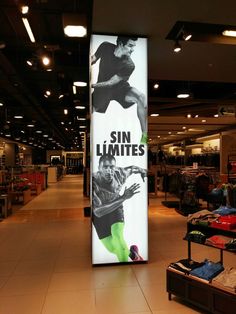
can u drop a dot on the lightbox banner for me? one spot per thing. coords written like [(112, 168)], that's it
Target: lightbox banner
[(119, 193)]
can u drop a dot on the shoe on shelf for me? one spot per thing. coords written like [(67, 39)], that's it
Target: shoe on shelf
[(134, 254)]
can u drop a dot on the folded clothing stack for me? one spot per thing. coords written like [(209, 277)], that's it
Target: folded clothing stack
[(185, 265), (227, 222), (226, 279), (208, 270), (219, 241)]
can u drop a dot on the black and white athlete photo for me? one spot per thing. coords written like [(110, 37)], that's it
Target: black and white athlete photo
[(119, 149), (115, 68)]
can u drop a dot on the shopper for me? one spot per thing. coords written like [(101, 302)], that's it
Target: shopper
[(115, 68), (108, 214), (162, 160)]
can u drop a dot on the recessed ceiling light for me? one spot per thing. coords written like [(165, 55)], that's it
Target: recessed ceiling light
[(18, 117), (195, 130), (229, 32), (184, 95), (30, 125), (156, 86), (155, 115), (38, 131), (216, 115), (48, 92), (196, 116), (189, 115), (75, 31), (79, 107), (1, 104), (80, 84), (65, 111)]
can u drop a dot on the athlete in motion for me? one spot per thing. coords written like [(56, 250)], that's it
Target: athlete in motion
[(115, 68), (108, 214)]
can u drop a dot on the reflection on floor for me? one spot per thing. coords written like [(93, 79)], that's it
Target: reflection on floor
[(45, 260)]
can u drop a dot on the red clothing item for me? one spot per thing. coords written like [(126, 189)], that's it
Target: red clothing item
[(218, 241)]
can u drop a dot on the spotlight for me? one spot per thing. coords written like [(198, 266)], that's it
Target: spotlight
[(24, 9), (177, 46), (186, 35), (46, 60)]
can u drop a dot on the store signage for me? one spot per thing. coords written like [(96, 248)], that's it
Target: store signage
[(227, 110), (119, 149)]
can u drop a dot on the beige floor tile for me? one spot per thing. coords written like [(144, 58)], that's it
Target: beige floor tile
[(30, 304), (150, 275), (70, 302), (120, 300), (114, 276), (46, 250), (26, 267), (28, 284), (157, 298), (83, 280), (3, 280), (72, 264), (7, 268)]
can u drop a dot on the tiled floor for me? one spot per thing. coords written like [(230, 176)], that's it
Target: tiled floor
[(45, 260)]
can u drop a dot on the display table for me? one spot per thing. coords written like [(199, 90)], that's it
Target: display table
[(17, 195)]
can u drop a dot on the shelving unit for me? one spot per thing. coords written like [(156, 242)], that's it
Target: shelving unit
[(200, 292), (231, 166)]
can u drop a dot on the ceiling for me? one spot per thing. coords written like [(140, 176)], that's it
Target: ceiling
[(23, 86), (206, 67)]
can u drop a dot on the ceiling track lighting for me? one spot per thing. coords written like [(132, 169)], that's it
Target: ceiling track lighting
[(28, 29), (186, 35), (177, 46)]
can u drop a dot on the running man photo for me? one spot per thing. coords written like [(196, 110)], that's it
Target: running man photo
[(107, 206), (115, 69)]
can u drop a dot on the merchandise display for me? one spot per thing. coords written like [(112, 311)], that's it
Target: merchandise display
[(208, 281)]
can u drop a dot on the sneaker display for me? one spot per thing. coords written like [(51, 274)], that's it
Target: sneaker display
[(134, 254)]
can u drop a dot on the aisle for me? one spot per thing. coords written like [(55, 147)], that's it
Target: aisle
[(45, 260)]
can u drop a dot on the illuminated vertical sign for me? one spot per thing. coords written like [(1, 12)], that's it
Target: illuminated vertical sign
[(119, 194)]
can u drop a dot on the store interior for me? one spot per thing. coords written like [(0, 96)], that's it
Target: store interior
[(45, 226)]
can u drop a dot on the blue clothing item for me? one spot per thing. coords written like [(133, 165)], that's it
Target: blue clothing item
[(225, 210), (208, 271)]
